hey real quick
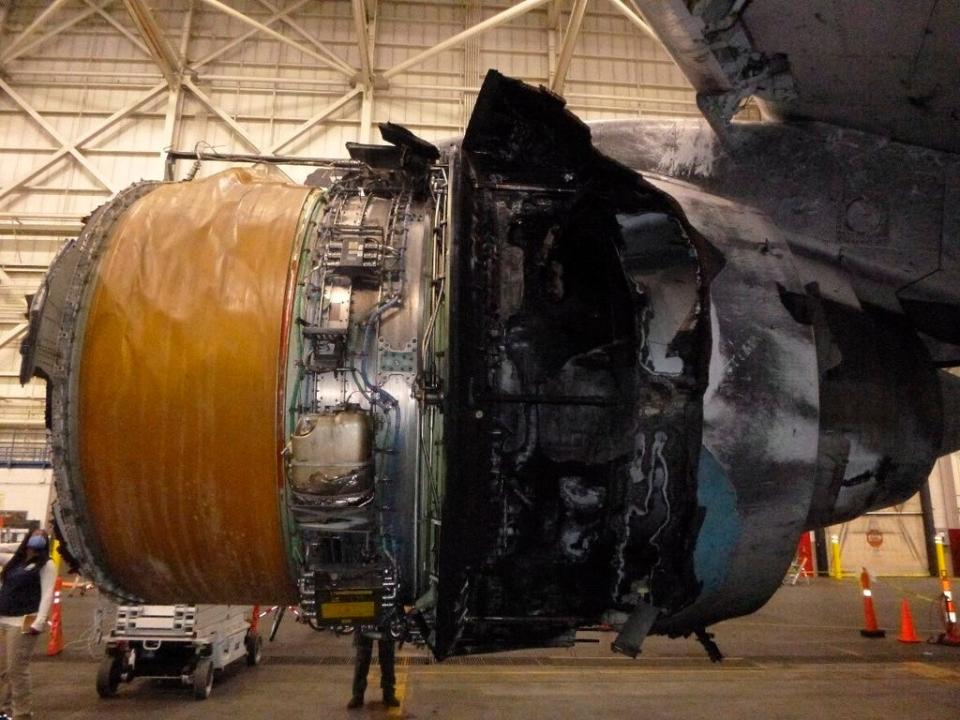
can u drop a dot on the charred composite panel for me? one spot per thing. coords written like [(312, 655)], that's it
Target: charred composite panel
[(581, 350), (825, 399)]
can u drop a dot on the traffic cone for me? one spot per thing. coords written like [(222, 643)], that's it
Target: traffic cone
[(871, 630), (907, 632), (55, 643)]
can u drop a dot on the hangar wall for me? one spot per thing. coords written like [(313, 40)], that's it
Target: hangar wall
[(26, 490), (893, 541), (886, 542)]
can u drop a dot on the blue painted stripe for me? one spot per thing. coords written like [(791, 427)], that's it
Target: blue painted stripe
[(721, 524)]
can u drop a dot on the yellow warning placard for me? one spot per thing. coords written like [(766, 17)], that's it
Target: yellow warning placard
[(347, 610)]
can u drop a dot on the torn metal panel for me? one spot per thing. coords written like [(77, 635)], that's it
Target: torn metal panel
[(871, 221), (583, 496), (635, 630), (710, 44), (761, 359), (681, 32), (874, 451)]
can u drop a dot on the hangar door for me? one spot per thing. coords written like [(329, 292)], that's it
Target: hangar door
[(886, 542)]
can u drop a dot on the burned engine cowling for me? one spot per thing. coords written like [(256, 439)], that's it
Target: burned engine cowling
[(514, 385), (579, 365)]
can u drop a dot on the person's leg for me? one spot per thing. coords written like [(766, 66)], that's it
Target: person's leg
[(388, 677), (7, 653), (20, 676), (361, 666)]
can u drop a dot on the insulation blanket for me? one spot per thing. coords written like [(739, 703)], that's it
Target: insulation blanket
[(178, 415)]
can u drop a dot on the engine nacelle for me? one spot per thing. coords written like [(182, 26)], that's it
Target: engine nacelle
[(515, 383)]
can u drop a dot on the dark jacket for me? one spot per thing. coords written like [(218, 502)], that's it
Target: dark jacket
[(20, 592)]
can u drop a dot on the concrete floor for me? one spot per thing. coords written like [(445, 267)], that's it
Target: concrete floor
[(800, 657)]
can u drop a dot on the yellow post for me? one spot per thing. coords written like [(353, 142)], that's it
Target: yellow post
[(55, 554), (941, 559), (836, 571)]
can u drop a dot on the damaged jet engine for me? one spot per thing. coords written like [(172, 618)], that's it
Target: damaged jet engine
[(514, 384)]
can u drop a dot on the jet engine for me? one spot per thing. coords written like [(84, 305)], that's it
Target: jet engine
[(512, 387)]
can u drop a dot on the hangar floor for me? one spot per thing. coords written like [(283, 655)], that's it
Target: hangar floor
[(800, 657)]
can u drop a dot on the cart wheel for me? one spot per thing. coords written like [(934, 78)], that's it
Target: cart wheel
[(108, 676), (254, 645), (203, 679)]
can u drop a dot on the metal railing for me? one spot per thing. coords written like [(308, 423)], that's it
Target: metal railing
[(25, 447)]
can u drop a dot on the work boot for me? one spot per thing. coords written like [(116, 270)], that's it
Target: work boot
[(355, 702), (390, 700)]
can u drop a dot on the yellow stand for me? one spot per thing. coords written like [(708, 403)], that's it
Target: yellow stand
[(55, 554), (836, 570), (941, 558)]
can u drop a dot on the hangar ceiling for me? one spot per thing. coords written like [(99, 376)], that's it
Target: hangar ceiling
[(92, 93)]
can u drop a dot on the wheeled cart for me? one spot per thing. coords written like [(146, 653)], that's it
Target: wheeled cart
[(185, 642)]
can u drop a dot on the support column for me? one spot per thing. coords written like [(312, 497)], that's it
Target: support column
[(949, 497), (948, 491), (472, 72), (367, 32), (820, 550), (929, 528), (366, 116), (565, 55), (171, 123), (553, 39), (4, 9)]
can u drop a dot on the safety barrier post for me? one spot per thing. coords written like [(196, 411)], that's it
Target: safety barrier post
[(55, 644), (836, 570), (952, 634), (870, 630), (941, 558)]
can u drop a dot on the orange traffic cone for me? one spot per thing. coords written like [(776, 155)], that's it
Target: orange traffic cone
[(870, 630), (55, 644), (907, 632)]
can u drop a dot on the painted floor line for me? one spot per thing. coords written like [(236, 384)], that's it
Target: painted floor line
[(932, 672), (401, 692)]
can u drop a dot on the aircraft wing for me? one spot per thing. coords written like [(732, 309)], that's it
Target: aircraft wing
[(883, 66)]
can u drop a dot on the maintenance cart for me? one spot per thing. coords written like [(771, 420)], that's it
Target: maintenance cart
[(185, 642)]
